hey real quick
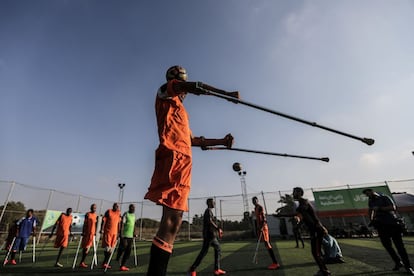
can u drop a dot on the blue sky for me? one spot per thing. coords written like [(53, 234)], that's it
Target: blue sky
[(78, 82)]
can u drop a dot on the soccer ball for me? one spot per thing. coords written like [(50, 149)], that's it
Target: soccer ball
[(76, 220)]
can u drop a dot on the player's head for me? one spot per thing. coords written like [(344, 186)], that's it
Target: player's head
[(297, 192), (131, 208), (255, 200), (29, 213), (210, 203), (115, 207), (176, 72), (68, 211), (368, 192), (93, 208)]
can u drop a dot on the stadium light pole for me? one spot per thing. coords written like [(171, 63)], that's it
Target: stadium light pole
[(242, 173), (121, 194)]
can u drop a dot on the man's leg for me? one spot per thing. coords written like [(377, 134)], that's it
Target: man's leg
[(316, 248), (58, 256), (201, 255), (162, 244), (127, 250), (399, 244), (385, 238), (217, 253), (121, 249)]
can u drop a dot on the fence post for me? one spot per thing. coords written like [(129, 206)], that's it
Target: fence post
[(47, 207), (77, 206), (189, 226), (7, 200), (140, 224)]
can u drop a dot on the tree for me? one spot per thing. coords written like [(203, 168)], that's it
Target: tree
[(289, 206), (14, 210)]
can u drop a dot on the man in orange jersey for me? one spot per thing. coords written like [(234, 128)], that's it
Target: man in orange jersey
[(88, 233), (64, 230), (110, 228), (171, 180), (263, 231)]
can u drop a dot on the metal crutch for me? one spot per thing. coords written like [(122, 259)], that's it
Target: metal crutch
[(8, 252), (257, 248), (77, 252), (95, 256), (135, 252), (34, 250), (112, 253)]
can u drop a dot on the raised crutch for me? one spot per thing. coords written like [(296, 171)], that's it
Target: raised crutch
[(77, 252), (135, 252), (257, 248), (112, 253), (8, 252)]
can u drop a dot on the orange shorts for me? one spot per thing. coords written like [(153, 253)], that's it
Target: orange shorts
[(87, 241), (171, 181), (61, 241), (109, 240), (265, 235)]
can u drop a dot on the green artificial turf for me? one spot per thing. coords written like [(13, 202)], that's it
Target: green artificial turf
[(362, 256)]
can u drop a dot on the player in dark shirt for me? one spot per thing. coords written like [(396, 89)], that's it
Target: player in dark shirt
[(316, 230), (210, 230), (383, 218)]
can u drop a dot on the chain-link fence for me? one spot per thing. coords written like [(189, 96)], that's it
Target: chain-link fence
[(229, 208)]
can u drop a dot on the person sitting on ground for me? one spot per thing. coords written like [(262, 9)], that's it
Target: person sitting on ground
[(332, 251)]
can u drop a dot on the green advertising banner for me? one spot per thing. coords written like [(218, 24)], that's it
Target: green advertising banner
[(52, 216), (345, 199)]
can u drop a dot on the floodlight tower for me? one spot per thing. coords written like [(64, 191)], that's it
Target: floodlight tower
[(121, 194), (238, 168)]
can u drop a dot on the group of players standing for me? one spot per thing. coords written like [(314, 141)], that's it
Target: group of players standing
[(114, 229)]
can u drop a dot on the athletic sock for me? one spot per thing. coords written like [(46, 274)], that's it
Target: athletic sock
[(272, 255), (159, 257)]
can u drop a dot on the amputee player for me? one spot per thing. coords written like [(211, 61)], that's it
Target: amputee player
[(127, 236), (88, 233), (26, 227), (263, 232), (210, 231), (64, 230), (171, 180), (315, 228), (110, 228), (382, 213)]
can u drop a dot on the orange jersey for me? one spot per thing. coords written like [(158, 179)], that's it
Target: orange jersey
[(171, 180), (112, 220), (89, 229), (62, 234), (260, 217), (172, 119)]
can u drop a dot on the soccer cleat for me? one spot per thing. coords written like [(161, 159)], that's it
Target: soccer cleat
[(106, 266), (83, 265), (13, 262), (58, 264), (5, 262), (273, 266), (219, 272), (124, 268), (192, 273)]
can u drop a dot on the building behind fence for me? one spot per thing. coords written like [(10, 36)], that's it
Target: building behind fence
[(228, 207)]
